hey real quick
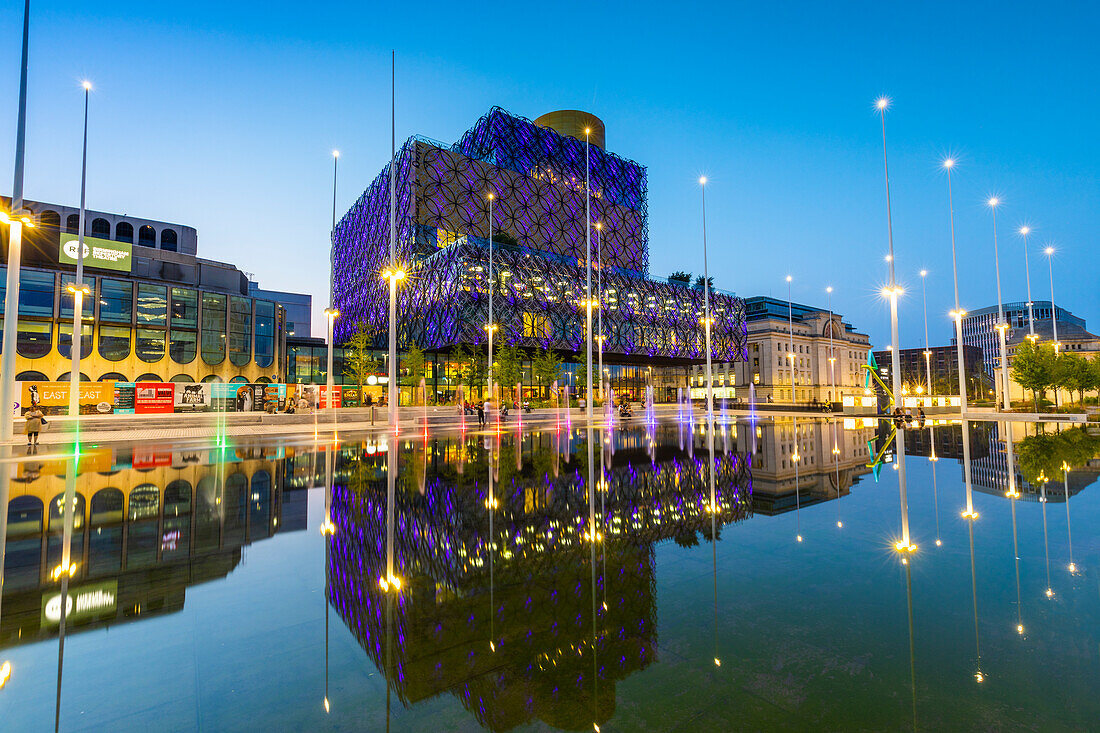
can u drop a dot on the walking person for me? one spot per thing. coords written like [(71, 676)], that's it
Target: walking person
[(35, 419), (481, 414)]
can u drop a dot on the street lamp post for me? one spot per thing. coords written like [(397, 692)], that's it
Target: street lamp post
[(599, 298), (490, 327), (1002, 324), (1024, 231), (707, 321), (331, 314), (790, 336), (927, 349), (588, 275), (832, 352), (79, 289), (15, 246), (332, 236), (1049, 251), (895, 356), (391, 273)]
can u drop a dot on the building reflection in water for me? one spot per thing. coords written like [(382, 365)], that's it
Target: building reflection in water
[(513, 621), (147, 524)]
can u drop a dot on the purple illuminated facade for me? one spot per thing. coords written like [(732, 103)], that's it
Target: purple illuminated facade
[(537, 177)]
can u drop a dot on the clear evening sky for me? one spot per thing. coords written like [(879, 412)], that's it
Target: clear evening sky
[(223, 115)]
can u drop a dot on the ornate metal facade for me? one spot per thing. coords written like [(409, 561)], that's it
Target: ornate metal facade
[(538, 180)]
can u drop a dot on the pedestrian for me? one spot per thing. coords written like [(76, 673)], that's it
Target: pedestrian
[(35, 419), (481, 414)]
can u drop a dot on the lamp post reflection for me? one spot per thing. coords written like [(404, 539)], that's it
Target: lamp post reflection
[(1069, 531)]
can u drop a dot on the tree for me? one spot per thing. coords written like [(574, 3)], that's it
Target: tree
[(461, 357), (507, 370), (359, 359), (1073, 373), (547, 367), (414, 363), (1033, 368), (699, 283), (680, 277)]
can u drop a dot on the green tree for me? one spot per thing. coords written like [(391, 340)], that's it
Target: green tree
[(680, 277), (507, 368), (699, 283), (547, 367), (415, 362), (359, 359), (1033, 368)]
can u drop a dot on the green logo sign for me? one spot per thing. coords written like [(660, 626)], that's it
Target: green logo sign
[(102, 253), (82, 603)]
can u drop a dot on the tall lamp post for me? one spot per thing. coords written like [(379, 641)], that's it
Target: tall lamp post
[(927, 349), (599, 300), (588, 276), (895, 357), (15, 220), (1002, 324), (832, 353), (78, 288), (490, 327), (707, 321), (331, 314), (790, 336), (1049, 251), (393, 273), (1024, 231), (332, 236)]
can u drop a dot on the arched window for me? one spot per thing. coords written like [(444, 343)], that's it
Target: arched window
[(181, 378), (50, 219), (64, 377), (114, 342), (149, 377), (101, 228), (34, 339), (177, 498), (24, 515), (240, 330), (213, 328), (182, 346), (212, 378), (234, 507), (57, 512), (238, 380), (72, 224), (65, 340), (168, 240), (107, 506), (150, 345), (263, 380), (265, 333), (31, 377), (113, 377), (147, 236), (144, 502), (124, 232)]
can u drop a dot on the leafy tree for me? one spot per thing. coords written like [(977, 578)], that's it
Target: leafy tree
[(1034, 368), (415, 362), (547, 367), (507, 368), (699, 283), (1073, 374), (680, 277), (359, 359)]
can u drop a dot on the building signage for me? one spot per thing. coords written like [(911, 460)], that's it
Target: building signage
[(96, 398), (101, 253), (154, 397), (81, 604)]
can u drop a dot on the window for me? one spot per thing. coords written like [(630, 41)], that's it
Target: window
[(88, 308), (31, 377), (113, 377), (150, 345), (50, 220), (182, 346), (64, 377), (144, 502), (65, 340), (152, 305), (36, 293), (265, 333), (124, 232), (147, 236), (168, 240), (182, 378), (185, 308), (240, 330), (114, 342), (116, 301), (149, 377), (101, 228), (34, 338), (72, 224), (211, 378), (213, 328)]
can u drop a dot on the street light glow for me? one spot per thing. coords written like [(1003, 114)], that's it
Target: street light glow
[(949, 163), (702, 180), (993, 201), (87, 85), (923, 273), (1049, 251), (1024, 231), (335, 153), (882, 103), (788, 278)]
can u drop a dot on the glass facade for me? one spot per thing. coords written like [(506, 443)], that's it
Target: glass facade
[(116, 301), (213, 328), (265, 333), (65, 340), (240, 330), (152, 305)]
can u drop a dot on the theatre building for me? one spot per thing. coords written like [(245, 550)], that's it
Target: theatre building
[(157, 311)]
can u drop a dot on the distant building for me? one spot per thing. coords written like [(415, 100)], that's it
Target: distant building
[(298, 307), (979, 329), (768, 366), (945, 370)]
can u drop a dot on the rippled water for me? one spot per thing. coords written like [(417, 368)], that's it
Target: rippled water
[(522, 581)]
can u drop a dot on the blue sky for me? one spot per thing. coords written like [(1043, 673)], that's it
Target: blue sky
[(223, 115)]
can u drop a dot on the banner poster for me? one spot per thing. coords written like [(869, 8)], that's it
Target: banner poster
[(151, 456), (349, 397), (223, 397), (124, 398), (250, 397), (323, 388), (274, 397), (96, 398), (154, 397), (193, 397)]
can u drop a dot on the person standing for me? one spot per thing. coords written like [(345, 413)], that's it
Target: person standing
[(481, 414), (35, 418)]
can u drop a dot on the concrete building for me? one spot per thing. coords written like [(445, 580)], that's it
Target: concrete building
[(979, 329), (769, 367), (945, 370), (298, 307)]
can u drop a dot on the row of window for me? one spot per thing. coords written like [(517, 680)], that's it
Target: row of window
[(34, 340), (36, 376), (124, 231)]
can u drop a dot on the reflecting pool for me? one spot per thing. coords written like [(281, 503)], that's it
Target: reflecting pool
[(647, 576)]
